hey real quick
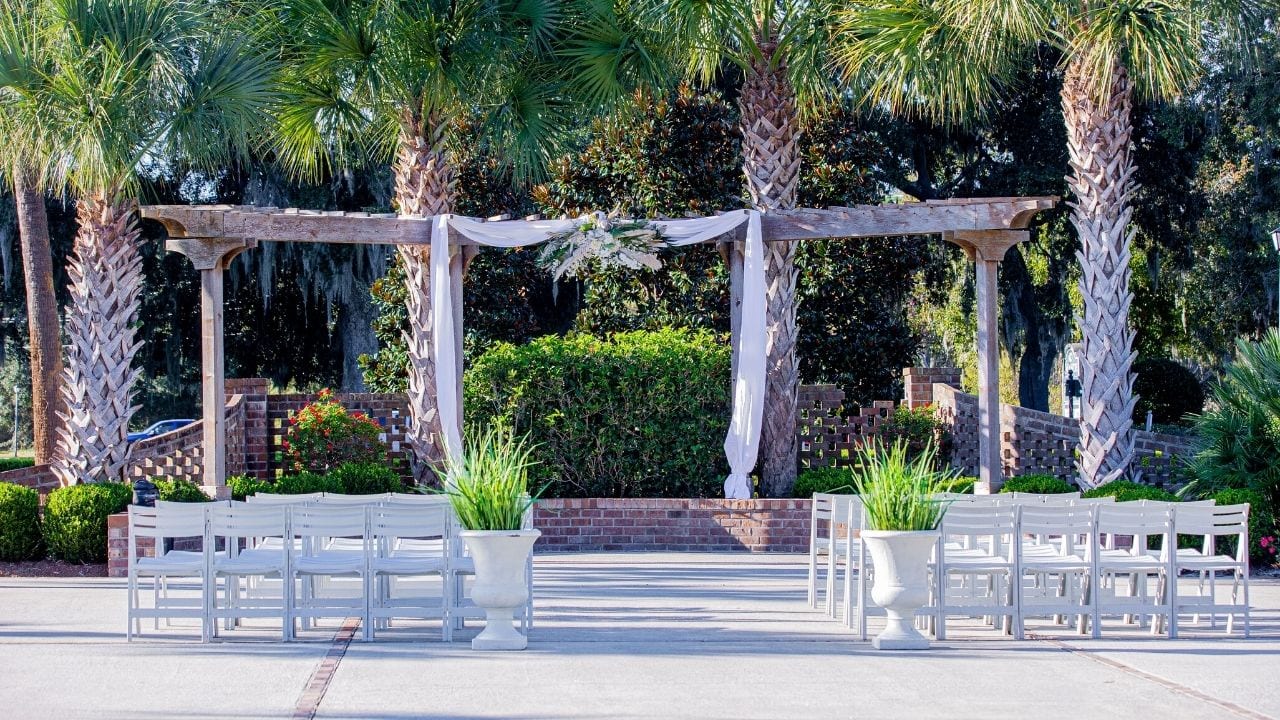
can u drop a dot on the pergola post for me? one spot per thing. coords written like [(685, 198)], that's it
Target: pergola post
[(987, 248), (211, 256)]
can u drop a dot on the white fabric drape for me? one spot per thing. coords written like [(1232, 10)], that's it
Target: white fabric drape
[(743, 439)]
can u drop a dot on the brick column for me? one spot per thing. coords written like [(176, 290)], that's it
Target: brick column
[(256, 436), (917, 383)]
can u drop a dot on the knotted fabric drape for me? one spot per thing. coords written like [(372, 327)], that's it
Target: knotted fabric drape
[(743, 439)]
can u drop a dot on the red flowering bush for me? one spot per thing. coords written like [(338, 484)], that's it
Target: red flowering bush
[(324, 436)]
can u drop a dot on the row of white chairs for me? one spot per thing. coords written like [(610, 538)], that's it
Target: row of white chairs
[(1009, 557), (309, 547)]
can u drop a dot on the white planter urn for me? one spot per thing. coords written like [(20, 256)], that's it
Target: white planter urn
[(901, 562), (500, 587)]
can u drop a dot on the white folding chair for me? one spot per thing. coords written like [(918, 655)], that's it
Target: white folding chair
[(169, 521), (1137, 564), (1211, 523), (975, 565), (856, 560), (826, 512), (277, 499), (344, 499), (244, 527), (1055, 550), (316, 527), (409, 541)]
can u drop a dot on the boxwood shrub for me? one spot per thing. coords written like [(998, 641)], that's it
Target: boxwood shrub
[(15, 463), (1126, 490), (1262, 524), (180, 490), (823, 480), (20, 523), (637, 414), (75, 520), (244, 485), (1039, 483), (367, 478)]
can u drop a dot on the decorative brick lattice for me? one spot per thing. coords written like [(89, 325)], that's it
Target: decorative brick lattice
[(826, 437)]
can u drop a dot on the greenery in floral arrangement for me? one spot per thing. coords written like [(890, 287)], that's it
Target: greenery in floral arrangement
[(599, 241), (489, 485), (828, 479), (1038, 483), (897, 489), (323, 436)]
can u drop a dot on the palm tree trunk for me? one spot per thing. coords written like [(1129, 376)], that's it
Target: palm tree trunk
[(771, 161), (424, 187), (105, 278), (42, 316), (1098, 138)]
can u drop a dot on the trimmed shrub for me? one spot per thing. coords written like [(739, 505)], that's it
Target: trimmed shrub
[(1263, 529), (243, 486), (1126, 491), (367, 479), (823, 480), (323, 436), (959, 484), (639, 414), (1167, 389), (1040, 483), (75, 520), (180, 490), (15, 463), (20, 523), (304, 483)]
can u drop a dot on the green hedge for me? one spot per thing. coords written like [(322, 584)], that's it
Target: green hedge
[(15, 463), (1126, 491), (1041, 484), (1262, 524), (20, 537), (367, 478), (823, 480), (75, 520), (639, 414), (180, 490)]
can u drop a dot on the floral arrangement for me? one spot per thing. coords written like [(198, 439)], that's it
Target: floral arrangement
[(602, 241), (323, 436)]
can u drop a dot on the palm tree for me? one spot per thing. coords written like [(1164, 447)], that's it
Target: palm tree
[(125, 83), (944, 59), (21, 72), (371, 80), (778, 46)]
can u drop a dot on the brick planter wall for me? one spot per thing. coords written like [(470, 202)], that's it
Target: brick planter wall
[(653, 524), (118, 545)]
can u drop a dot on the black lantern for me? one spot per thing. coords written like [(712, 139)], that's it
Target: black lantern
[(1074, 390), (145, 493)]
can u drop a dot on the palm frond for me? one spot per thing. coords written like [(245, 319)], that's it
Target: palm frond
[(1157, 41)]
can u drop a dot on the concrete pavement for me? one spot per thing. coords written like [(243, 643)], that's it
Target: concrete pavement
[(623, 636)]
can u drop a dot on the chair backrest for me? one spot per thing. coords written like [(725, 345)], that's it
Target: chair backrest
[(344, 499), (276, 499), (1213, 520), (419, 498), (955, 497), (171, 520), (1044, 497), (976, 519), (409, 521), (317, 520), (1073, 524), (249, 520), (821, 508), (1104, 500), (1136, 519)]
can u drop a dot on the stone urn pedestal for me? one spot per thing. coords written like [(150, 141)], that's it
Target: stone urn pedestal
[(500, 586), (901, 562)]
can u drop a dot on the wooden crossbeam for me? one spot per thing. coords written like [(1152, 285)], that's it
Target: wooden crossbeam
[(292, 225)]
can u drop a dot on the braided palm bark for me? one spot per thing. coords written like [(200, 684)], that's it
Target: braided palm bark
[(771, 162), (105, 273), (1098, 137)]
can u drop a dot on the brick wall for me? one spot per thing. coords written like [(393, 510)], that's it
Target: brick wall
[(39, 477), (918, 382), (118, 545), (256, 450), (651, 524), (1038, 442), (825, 435)]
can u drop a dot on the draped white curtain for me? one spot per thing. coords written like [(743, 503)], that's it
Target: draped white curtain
[(743, 439)]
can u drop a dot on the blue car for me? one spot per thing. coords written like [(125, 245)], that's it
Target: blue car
[(159, 428)]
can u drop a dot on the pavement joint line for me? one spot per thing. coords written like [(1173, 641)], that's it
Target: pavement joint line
[(1163, 682), (313, 692)]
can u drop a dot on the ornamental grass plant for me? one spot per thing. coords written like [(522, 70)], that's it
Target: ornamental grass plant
[(897, 486), (488, 485)]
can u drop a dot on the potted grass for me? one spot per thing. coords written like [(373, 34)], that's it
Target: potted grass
[(488, 487), (901, 530)]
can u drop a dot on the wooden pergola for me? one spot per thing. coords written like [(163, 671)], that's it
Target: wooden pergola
[(211, 236)]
